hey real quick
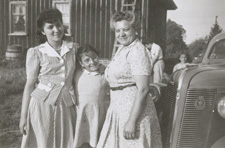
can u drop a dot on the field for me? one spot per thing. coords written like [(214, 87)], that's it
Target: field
[(12, 81)]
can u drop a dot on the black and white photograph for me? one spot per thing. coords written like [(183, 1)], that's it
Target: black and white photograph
[(112, 73)]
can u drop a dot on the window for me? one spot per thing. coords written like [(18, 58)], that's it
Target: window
[(218, 50), (65, 8), (18, 17)]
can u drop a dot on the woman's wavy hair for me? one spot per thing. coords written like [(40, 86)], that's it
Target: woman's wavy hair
[(129, 16), (52, 16)]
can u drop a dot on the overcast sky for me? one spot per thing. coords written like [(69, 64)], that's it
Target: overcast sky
[(198, 16)]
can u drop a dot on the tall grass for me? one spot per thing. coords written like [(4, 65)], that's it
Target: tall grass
[(12, 81)]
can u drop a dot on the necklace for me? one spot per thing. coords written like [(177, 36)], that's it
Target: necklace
[(58, 49)]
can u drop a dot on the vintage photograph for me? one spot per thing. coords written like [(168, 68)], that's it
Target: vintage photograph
[(112, 73)]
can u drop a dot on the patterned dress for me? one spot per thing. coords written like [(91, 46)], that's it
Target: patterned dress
[(90, 89), (51, 114), (128, 61)]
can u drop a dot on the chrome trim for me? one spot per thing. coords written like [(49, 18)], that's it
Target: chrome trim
[(180, 82)]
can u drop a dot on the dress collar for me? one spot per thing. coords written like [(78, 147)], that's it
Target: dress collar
[(129, 46), (50, 51)]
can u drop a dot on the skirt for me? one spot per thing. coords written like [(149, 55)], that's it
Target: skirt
[(49, 126), (148, 134)]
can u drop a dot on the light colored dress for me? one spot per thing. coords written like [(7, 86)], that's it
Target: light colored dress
[(128, 61), (51, 113), (90, 89), (180, 66), (159, 65)]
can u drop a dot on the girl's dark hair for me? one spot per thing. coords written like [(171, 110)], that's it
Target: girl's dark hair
[(85, 49), (51, 15), (187, 56)]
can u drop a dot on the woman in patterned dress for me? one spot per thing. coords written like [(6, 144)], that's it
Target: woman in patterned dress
[(48, 114), (131, 120)]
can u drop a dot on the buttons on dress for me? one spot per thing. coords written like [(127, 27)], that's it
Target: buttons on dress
[(62, 83), (63, 75), (61, 61), (63, 68)]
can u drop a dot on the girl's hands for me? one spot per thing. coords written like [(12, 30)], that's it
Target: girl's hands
[(101, 69), (22, 126), (129, 130)]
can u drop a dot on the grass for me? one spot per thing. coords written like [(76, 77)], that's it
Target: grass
[(12, 81)]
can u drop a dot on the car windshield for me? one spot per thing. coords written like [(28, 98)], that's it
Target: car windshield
[(218, 50)]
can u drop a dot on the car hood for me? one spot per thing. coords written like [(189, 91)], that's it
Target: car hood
[(201, 75)]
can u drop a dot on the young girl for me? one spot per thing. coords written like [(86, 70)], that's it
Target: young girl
[(90, 90), (183, 62), (48, 114)]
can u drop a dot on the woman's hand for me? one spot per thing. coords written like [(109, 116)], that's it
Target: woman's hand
[(129, 130), (22, 126)]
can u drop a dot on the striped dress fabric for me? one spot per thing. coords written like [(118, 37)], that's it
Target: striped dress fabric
[(51, 114)]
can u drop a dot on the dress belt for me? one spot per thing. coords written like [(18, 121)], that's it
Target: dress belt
[(121, 87), (159, 59)]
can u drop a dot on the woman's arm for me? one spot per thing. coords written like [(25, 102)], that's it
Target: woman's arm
[(29, 87), (156, 52), (138, 105)]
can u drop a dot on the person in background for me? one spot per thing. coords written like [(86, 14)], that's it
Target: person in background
[(91, 93), (131, 120), (48, 114), (183, 62), (157, 63)]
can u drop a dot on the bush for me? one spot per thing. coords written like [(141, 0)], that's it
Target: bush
[(169, 64), (12, 81), (12, 64)]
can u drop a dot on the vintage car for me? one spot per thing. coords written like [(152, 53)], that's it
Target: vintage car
[(193, 103)]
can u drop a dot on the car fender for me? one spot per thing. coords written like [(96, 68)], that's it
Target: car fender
[(219, 143), (156, 88)]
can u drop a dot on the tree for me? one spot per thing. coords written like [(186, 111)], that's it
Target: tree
[(197, 47), (175, 35), (215, 29)]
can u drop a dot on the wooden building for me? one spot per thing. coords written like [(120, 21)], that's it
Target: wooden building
[(86, 21)]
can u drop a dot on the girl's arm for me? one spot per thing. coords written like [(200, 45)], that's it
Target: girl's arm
[(138, 105), (29, 87)]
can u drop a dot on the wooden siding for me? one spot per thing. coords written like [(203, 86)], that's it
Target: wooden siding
[(89, 23)]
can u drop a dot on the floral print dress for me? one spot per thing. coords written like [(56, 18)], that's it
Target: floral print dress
[(128, 61)]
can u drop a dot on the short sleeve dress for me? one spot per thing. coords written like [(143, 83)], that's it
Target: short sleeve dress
[(128, 61), (90, 90), (51, 114), (179, 66)]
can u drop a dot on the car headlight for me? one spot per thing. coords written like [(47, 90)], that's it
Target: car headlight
[(221, 107)]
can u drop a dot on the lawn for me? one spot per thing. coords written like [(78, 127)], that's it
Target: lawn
[(12, 81)]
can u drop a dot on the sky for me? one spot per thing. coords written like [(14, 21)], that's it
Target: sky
[(198, 16)]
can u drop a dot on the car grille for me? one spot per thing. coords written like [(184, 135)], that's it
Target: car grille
[(168, 113), (194, 127)]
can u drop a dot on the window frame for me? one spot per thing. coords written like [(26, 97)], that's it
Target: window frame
[(212, 55), (24, 33), (54, 3)]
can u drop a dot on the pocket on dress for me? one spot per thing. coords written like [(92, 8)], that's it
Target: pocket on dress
[(42, 91)]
